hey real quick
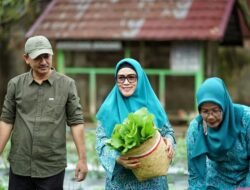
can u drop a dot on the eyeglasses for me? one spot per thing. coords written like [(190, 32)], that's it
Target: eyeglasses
[(41, 57), (217, 113), (131, 78)]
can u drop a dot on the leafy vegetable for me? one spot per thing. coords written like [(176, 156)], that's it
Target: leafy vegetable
[(135, 130)]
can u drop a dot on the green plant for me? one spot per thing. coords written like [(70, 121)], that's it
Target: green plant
[(92, 155), (136, 129), (3, 184), (180, 158), (4, 156)]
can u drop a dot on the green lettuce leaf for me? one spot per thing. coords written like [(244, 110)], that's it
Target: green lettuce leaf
[(135, 130)]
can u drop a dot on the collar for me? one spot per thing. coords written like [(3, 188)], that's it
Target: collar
[(50, 80)]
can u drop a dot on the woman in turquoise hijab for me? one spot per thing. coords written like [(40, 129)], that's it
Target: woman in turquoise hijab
[(131, 92), (218, 141)]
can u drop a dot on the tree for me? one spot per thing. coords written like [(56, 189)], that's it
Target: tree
[(16, 16), (244, 9)]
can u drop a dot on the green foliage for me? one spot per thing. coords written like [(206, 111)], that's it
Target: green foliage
[(4, 156), (15, 16), (244, 9), (92, 155), (3, 180), (180, 158), (136, 129), (12, 10), (1, 187)]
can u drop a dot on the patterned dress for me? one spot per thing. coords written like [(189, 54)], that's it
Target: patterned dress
[(233, 168), (119, 178)]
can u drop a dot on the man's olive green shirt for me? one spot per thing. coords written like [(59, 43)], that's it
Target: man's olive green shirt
[(40, 114)]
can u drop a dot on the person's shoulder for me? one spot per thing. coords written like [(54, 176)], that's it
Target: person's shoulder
[(62, 75), (17, 78), (193, 125), (65, 78), (192, 131), (246, 110), (244, 118), (246, 115)]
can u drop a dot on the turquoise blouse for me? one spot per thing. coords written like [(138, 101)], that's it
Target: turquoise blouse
[(234, 164)]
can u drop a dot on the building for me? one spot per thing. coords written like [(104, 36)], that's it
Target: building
[(176, 41)]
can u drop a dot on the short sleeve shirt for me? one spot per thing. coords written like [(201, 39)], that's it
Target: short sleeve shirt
[(39, 114)]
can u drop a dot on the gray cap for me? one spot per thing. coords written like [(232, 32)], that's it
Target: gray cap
[(37, 45)]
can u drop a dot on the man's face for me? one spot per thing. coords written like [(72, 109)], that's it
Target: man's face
[(41, 65)]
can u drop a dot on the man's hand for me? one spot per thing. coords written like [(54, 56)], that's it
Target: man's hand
[(5, 132), (81, 166), (81, 170)]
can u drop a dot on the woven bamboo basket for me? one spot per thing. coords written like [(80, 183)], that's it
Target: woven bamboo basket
[(153, 158)]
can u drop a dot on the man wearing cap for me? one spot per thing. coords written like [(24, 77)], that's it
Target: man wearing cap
[(37, 107)]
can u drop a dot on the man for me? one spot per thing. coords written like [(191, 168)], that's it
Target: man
[(36, 109)]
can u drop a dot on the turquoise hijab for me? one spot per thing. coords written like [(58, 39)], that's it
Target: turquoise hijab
[(116, 107), (217, 141)]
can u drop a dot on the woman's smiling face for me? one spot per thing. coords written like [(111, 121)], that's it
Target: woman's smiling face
[(126, 80)]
